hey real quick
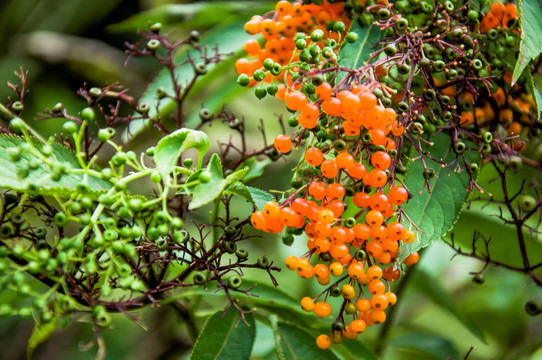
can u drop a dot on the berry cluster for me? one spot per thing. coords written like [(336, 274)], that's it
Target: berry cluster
[(348, 162), (436, 68)]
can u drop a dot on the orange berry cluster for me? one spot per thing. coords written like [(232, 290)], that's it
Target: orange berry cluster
[(348, 199), (499, 15), (280, 32)]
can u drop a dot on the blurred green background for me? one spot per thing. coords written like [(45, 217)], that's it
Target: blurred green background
[(441, 313)]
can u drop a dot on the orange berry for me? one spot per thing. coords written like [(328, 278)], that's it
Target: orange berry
[(349, 333), (362, 231), (377, 287), (363, 305), (326, 216), (344, 160), (335, 191), (258, 220), (357, 170), (336, 269), (321, 271), (300, 206), (395, 230), (378, 316), (295, 100), (381, 160), (408, 236), (271, 210), (252, 47), (348, 291), (356, 270), (392, 298), (374, 218), (358, 326), (336, 206), (314, 156), (338, 250), (323, 341), (376, 178), (329, 168), (374, 248), (307, 304), (361, 199), (374, 272), (379, 302), (332, 106), (324, 90), (317, 190), (397, 195), (283, 143), (412, 259), (291, 262), (322, 309)]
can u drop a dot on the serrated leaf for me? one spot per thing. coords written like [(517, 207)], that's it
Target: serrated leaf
[(228, 38), (435, 213), (441, 297), (170, 147), (260, 197), (202, 14), (42, 175), (241, 190), (225, 337), (206, 192), (40, 334), (354, 55), (255, 167), (530, 17), (297, 344), (437, 347)]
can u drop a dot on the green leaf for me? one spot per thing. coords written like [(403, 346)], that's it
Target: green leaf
[(353, 349), (225, 337), (533, 90), (437, 347), (260, 197), (170, 147), (40, 334), (255, 167), (435, 212), (255, 196), (193, 15), (530, 17), (206, 192), (42, 175), (441, 297), (228, 38), (239, 189), (296, 344), (354, 55)]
